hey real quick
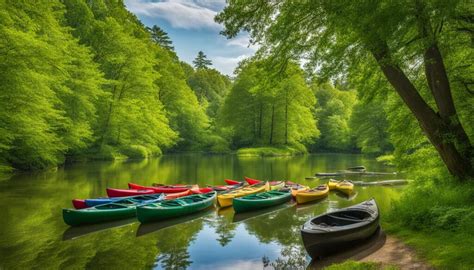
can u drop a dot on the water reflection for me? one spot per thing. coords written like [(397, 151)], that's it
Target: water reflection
[(32, 231)]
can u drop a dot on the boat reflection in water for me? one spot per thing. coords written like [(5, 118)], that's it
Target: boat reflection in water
[(238, 217), (146, 228), (76, 232)]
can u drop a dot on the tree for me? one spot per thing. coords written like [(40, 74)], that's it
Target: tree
[(160, 37), (395, 35), (333, 111), (201, 61), (131, 119), (211, 87), (265, 107), (183, 110)]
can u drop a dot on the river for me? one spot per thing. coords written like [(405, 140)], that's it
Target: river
[(34, 236)]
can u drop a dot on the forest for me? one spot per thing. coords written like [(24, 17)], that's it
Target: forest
[(89, 81)]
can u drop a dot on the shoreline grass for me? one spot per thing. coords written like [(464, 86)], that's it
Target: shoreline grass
[(270, 151)]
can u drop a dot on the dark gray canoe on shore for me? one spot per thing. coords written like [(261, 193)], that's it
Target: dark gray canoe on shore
[(331, 232)]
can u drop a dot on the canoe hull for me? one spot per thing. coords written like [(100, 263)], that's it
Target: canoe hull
[(310, 196), (162, 189), (76, 218), (149, 214), (332, 232), (114, 192), (242, 205), (323, 245), (226, 200)]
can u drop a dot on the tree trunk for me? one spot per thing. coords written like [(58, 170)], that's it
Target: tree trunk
[(439, 85), (430, 122), (272, 124)]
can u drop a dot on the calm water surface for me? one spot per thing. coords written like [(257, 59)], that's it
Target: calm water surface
[(34, 236)]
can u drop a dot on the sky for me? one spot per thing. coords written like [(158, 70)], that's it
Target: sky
[(190, 25)]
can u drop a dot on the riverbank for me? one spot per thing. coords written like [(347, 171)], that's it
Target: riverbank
[(270, 151), (438, 222)]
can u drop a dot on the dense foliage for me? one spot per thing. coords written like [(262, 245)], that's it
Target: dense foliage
[(87, 78), (266, 107), (420, 49), (411, 64)]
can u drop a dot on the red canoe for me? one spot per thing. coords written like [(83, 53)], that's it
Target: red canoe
[(115, 192), (79, 204), (202, 190), (252, 181), (227, 187), (163, 189), (175, 195), (232, 182)]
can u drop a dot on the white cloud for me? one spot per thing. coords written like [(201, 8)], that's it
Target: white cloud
[(227, 64), (216, 5), (180, 14), (244, 42)]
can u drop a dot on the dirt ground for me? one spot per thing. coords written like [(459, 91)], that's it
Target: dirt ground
[(381, 248), (397, 253)]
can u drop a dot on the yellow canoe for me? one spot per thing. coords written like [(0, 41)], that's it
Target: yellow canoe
[(345, 187), (332, 184), (312, 194), (295, 188), (225, 199), (274, 185)]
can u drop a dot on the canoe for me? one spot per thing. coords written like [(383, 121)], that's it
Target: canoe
[(120, 209), (227, 187), (226, 199), (99, 201), (251, 181), (357, 168), (163, 189), (332, 184), (116, 192), (273, 185), (232, 182), (345, 187), (261, 200), (175, 208), (79, 203), (295, 188), (331, 232), (314, 194)]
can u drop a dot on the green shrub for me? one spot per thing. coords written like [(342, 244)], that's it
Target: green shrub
[(217, 144), (106, 152), (386, 160), (437, 218), (135, 151), (268, 151)]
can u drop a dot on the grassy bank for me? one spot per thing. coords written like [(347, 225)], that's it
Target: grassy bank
[(352, 265), (438, 221), (267, 151)]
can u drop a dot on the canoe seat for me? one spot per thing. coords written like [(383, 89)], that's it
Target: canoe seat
[(347, 218)]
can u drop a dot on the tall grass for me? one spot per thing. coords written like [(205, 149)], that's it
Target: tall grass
[(437, 218)]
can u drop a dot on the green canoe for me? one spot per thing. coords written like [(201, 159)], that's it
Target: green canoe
[(175, 208), (261, 200), (121, 209)]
